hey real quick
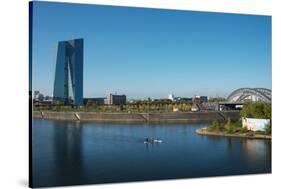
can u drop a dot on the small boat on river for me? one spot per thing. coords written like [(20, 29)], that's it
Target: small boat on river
[(152, 141)]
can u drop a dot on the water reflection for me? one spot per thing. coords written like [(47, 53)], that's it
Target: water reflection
[(255, 150), (67, 153)]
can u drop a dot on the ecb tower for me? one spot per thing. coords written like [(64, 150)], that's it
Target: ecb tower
[(68, 83)]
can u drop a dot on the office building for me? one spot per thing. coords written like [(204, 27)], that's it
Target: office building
[(94, 101), (68, 85), (114, 99)]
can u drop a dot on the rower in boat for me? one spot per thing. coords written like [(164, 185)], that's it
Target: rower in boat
[(151, 140)]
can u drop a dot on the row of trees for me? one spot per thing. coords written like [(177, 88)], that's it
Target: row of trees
[(259, 110), (141, 106)]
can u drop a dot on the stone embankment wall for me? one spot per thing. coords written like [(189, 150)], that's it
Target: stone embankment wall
[(172, 117)]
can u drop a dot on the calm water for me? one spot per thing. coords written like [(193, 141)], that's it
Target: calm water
[(69, 153)]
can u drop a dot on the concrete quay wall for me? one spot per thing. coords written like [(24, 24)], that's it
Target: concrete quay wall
[(172, 117)]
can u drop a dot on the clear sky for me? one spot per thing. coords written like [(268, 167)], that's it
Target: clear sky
[(145, 52)]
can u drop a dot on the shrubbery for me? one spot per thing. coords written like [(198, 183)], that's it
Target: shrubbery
[(217, 126), (260, 110), (267, 130), (227, 126)]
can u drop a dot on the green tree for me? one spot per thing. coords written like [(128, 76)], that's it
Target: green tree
[(246, 110), (260, 110), (267, 110), (257, 109), (267, 130), (229, 126), (170, 107)]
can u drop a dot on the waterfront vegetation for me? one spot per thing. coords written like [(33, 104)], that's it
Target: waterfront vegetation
[(229, 127), (259, 110), (145, 106)]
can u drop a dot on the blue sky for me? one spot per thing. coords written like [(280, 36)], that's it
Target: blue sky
[(144, 52)]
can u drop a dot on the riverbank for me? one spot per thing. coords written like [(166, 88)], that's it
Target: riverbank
[(204, 131), (170, 117)]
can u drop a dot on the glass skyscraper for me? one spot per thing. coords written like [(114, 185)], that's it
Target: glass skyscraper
[(68, 83)]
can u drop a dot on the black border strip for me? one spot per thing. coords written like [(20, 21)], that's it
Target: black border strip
[(30, 173)]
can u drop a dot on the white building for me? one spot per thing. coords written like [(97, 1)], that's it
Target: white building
[(171, 97), (255, 124), (195, 108)]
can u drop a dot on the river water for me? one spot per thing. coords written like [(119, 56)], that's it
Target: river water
[(71, 153)]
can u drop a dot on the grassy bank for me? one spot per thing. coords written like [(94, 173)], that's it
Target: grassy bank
[(250, 135), (229, 127), (258, 110)]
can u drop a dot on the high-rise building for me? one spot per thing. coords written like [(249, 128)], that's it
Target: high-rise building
[(68, 83)]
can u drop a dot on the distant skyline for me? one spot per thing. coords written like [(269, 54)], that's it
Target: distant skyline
[(144, 52)]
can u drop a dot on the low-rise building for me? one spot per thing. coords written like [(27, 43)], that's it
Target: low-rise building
[(195, 108), (114, 99), (200, 99), (255, 124), (185, 99), (171, 97), (94, 101)]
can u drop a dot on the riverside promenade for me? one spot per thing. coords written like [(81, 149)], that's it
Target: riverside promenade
[(170, 117)]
